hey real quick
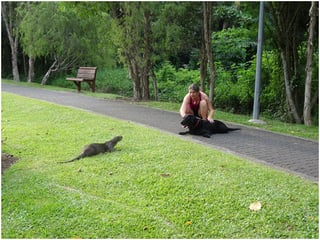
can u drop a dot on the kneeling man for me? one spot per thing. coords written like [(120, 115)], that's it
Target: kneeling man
[(197, 103)]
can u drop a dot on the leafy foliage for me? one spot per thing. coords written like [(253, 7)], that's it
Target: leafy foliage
[(52, 29), (231, 46), (173, 83), (234, 89), (230, 15)]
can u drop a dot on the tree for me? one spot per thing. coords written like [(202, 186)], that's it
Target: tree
[(41, 30), (26, 7), (133, 35), (289, 22), (309, 66), (11, 20), (177, 32), (207, 23), (59, 33)]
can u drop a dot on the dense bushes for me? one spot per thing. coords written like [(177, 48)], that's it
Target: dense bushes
[(234, 86), (234, 89), (173, 84)]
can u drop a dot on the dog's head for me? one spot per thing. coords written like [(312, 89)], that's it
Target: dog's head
[(189, 121)]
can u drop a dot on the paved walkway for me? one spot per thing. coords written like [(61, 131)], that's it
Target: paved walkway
[(291, 154)]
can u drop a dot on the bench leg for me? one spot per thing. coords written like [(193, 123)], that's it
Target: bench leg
[(92, 86), (78, 84)]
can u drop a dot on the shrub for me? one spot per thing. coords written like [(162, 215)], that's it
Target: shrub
[(172, 83)]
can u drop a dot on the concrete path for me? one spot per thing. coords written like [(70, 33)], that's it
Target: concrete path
[(291, 154)]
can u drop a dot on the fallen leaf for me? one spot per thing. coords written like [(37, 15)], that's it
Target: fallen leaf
[(255, 206), (165, 174), (188, 222)]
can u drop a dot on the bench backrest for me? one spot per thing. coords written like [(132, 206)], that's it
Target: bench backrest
[(88, 73)]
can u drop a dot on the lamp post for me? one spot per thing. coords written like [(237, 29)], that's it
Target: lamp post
[(256, 103)]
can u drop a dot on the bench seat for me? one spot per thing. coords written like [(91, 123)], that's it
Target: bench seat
[(85, 74), (75, 79)]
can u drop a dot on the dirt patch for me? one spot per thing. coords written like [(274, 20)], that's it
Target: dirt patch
[(7, 160)]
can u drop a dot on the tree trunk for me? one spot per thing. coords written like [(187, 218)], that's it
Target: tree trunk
[(147, 55), (308, 83), (31, 69), (155, 87), (25, 67), (145, 84), (203, 65), (286, 24), (7, 10), (134, 73), (207, 16), (292, 107), (136, 46), (47, 75)]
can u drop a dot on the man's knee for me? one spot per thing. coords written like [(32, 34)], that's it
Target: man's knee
[(203, 110), (203, 105), (189, 111)]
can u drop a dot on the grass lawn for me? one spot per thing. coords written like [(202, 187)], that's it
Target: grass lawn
[(155, 185)]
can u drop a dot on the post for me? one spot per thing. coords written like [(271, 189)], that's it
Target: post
[(256, 104)]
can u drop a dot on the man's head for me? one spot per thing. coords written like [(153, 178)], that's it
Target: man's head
[(194, 90)]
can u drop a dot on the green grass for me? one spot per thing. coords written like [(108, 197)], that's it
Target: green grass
[(298, 130), (123, 195)]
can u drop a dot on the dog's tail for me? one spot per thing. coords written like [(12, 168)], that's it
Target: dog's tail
[(233, 129)]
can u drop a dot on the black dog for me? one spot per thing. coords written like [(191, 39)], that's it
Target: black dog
[(198, 126)]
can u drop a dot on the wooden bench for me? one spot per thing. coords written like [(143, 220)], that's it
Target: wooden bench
[(85, 74)]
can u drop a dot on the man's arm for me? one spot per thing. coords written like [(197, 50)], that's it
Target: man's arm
[(210, 108), (211, 111), (183, 108)]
